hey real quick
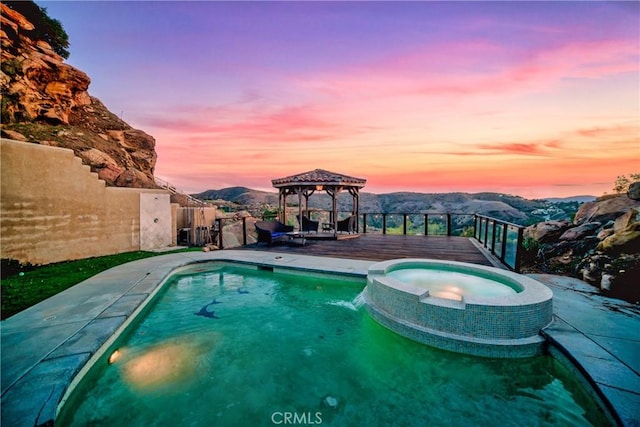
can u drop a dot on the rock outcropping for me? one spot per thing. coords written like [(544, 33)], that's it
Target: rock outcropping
[(46, 101), (601, 246)]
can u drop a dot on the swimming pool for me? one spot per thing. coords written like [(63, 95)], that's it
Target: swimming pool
[(236, 346)]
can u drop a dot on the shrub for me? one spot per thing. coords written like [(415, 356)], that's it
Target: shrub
[(11, 67), (621, 184), (530, 247)]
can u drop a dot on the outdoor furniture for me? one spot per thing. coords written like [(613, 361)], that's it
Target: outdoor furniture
[(273, 231), (307, 224), (296, 238), (348, 224)]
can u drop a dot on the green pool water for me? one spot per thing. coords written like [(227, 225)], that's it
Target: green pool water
[(238, 347)]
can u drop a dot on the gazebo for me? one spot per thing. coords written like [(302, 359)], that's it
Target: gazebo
[(307, 183)]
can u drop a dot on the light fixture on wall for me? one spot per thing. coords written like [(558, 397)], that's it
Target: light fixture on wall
[(319, 187)]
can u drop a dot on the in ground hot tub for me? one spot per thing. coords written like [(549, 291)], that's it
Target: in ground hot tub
[(460, 307)]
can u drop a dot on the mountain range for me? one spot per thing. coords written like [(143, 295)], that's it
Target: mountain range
[(502, 206)]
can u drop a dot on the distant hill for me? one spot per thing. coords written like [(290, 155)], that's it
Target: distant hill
[(240, 195), (502, 206), (579, 199)]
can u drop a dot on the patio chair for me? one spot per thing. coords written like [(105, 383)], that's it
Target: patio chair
[(347, 225), (308, 224)]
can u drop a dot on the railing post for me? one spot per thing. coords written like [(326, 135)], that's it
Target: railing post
[(475, 226), (364, 223), (503, 251), (404, 224), (486, 231), (448, 224), (220, 244), (384, 223), (516, 267), (483, 237), (493, 238), (244, 230), (426, 224)]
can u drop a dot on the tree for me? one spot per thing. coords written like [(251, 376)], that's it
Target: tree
[(621, 184), (45, 28)]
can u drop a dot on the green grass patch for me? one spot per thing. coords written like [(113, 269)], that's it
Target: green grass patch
[(34, 284)]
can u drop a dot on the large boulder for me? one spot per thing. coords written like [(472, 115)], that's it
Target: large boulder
[(133, 178), (626, 219), (548, 231), (623, 241), (11, 134), (104, 165), (604, 209), (634, 191), (580, 231)]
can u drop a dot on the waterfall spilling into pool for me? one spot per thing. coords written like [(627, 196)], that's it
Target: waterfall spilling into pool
[(460, 307), (359, 301)]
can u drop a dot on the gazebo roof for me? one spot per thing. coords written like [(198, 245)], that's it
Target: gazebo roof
[(319, 177)]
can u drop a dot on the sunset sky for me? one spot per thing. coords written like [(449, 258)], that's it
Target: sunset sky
[(537, 99)]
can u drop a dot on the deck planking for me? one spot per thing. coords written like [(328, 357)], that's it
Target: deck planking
[(378, 247)]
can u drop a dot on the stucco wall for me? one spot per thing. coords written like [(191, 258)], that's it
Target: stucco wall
[(53, 208)]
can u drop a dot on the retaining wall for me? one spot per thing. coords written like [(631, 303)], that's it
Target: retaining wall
[(53, 208)]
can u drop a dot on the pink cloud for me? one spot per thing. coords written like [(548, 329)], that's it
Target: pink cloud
[(290, 123), (610, 132), (535, 148), (478, 68)]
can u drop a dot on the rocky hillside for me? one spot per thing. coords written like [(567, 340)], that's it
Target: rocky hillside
[(46, 101), (600, 246)]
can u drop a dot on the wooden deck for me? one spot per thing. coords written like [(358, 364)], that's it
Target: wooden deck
[(378, 247)]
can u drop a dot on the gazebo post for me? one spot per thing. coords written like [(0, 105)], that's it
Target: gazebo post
[(299, 208), (306, 194), (334, 199), (283, 209), (355, 206)]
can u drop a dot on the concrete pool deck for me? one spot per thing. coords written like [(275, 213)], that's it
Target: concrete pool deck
[(47, 345)]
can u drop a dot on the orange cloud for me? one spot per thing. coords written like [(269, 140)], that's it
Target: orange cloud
[(535, 148)]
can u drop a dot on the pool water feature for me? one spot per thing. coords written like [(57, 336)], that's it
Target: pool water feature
[(291, 345), (466, 308)]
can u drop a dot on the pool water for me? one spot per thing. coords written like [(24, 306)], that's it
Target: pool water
[(451, 284), (238, 347)]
